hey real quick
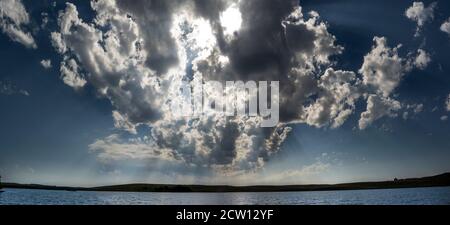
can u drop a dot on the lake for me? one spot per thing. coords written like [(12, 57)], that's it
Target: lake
[(410, 196)]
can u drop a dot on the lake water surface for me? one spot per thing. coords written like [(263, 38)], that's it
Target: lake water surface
[(410, 196)]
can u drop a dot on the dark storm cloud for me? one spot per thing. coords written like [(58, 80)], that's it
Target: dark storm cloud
[(274, 43), (155, 19), (136, 53), (267, 48)]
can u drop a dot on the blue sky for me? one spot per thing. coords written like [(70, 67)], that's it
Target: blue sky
[(45, 135)]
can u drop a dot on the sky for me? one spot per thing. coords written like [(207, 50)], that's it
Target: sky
[(84, 85)]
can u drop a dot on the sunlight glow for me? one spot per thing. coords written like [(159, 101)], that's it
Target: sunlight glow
[(231, 20)]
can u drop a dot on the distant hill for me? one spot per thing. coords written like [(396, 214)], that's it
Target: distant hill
[(433, 181), (42, 187)]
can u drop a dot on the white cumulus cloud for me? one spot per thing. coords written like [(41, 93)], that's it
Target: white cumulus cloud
[(378, 107), (445, 27), (70, 74), (46, 63), (383, 68), (13, 19), (422, 59), (420, 14)]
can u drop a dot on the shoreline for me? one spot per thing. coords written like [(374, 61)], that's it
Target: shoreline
[(442, 180)]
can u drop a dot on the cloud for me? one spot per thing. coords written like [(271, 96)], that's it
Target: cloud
[(445, 27), (13, 19), (114, 61), (46, 63), (420, 14), (45, 20), (123, 123), (422, 60), (378, 107), (383, 68), (337, 99), (447, 103), (8, 88), (114, 148), (138, 54), (70, 74), (411, 110), (417, 108), (382, 72)]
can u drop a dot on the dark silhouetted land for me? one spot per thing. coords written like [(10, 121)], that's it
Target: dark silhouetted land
[(433, 181)]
